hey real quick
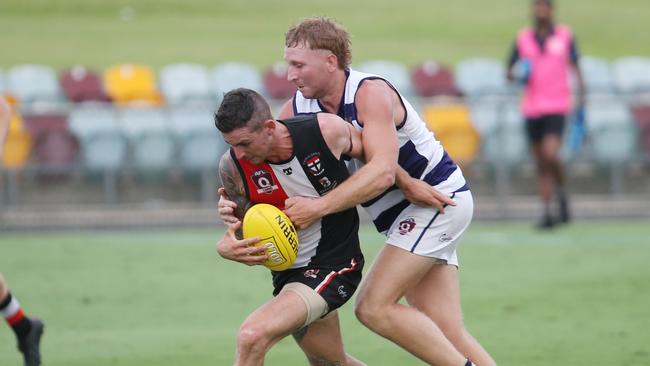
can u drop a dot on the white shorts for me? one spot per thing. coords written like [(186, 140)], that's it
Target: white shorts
[(426, 232)]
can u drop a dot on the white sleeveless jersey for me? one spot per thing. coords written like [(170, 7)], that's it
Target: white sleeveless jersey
[(420, 154)]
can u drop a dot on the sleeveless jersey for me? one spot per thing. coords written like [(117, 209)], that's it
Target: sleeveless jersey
[(312, 171), (420, 154), (547, 90)]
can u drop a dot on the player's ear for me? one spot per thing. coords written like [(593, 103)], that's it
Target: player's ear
[(332, 62), (269, 125)]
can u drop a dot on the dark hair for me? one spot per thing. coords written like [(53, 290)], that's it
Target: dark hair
[(322, 34), (239, 108)]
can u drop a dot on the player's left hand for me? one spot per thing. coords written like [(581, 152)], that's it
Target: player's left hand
[(423, 194), (303, 211)]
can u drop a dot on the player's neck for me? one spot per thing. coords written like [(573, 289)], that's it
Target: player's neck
[(332, 100)]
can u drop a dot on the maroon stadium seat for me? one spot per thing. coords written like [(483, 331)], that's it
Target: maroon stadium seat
[(56, 150), (430, 79), (276, 84), (641, 115), (80, 84), (38, 124)]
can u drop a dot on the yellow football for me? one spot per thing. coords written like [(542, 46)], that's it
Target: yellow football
[(277, 234)]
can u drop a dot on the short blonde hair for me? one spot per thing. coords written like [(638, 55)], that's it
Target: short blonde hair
[(322, 34)]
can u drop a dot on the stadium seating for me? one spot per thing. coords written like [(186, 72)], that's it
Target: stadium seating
[(56, 153), (134, 122), (55, 147), (485, 115), (183, 83), (612, 132), (506, 143), (641, 115), (34, 84), (232, 75), (80, 84), (18, 144), (597, 75), (200, 154), (478, 77), (276, 84), (85, 121), (395, 72), (453, 128), (104, 151), (153, 152), (184, 120), (132, 84), (632, 74), (430, 79)]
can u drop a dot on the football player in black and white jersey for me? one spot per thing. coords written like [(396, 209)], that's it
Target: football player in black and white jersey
[(412, 204), (269, 161)]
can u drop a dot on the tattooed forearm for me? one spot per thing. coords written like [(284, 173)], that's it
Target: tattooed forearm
[(232, 182)]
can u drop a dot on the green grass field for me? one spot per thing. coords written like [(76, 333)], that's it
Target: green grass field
[(578, 296), (157, 32)]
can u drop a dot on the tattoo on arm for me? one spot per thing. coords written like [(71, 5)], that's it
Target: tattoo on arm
[(232, 182), (300, 333)]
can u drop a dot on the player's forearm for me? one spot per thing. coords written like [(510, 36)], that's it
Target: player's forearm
[(402, 178), (367, 183)]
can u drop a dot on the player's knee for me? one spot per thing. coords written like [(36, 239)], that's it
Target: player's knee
[(252, 337), (368, 313)]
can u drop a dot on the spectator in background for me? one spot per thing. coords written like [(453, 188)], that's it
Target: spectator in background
[(28, 330), (547, 52)]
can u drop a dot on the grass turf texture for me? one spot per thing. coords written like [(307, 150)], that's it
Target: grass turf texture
[(578, 296), (158, 32)]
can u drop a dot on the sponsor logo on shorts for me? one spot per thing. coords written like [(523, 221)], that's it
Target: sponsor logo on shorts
[(406, 226), (445, 238), (313, 273), (342, 292)]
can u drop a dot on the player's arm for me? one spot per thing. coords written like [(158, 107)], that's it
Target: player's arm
[(379, 141), (341, 137), (512, 60), (232, 246), (420, 192), (575, 65), (5, 117)]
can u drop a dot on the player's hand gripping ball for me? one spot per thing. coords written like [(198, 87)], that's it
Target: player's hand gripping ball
[(277, 234)]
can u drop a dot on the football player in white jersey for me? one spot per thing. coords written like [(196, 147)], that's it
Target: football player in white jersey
[(423, 225)]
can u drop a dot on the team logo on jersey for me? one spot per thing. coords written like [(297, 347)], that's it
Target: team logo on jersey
[(287, 171), (263, 181), (314, 165), (313, 273), (325, 182), (406, 226)]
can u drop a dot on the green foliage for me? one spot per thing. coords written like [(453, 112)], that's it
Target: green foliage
[(578, 296)]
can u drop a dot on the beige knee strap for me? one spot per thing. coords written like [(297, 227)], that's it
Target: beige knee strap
[(316, 305)]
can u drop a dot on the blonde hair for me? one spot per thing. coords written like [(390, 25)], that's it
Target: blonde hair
[(322, 34)]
